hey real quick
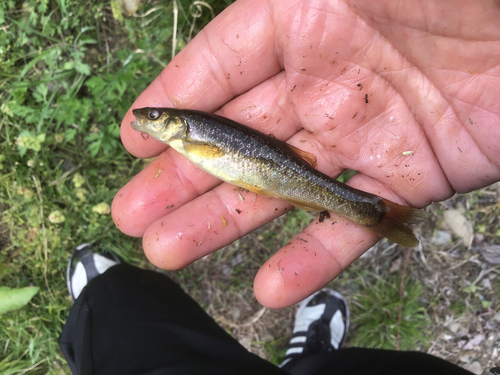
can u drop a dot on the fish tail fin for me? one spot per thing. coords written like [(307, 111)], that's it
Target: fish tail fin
[(392, 225)]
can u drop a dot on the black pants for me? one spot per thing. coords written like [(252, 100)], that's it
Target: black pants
[(132, 321)]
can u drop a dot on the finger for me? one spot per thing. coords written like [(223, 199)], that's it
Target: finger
[(160, 188), (234, 53), (206, 224), (310, 261)]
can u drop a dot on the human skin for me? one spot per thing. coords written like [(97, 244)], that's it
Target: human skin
[(404, 92)]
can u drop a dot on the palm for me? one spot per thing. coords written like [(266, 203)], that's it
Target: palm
[(410, 100)]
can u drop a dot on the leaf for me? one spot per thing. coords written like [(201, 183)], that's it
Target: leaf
[(28, 141), (70, 134), (459, 225), (22, 150), (97, 85), (14, 299), (491, 253), (82, 68), (40, 93), (116, 10), (87, 41), (114, 130), (94, 148), (475, 341)]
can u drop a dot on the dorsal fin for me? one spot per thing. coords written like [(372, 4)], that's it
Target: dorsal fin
[(304, 155)]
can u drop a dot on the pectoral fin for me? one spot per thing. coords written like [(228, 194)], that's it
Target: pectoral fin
[(203, 149)]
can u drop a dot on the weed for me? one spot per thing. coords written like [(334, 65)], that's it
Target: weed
[(375, 314), (346, 175)]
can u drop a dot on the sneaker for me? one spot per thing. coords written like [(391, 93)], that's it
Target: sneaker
[(84, 265), (321, 325)]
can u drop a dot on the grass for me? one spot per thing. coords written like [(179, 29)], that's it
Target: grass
[(68, 72)]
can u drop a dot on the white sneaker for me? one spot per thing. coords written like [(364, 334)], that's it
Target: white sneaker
[(321, 325), (84, 265)]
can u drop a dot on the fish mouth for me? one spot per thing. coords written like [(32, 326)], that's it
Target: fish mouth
[(136, 126)]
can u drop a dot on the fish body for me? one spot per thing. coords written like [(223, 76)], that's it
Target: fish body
[(265, 165)]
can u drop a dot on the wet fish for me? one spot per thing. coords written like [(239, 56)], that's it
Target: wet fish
[(268, 166)]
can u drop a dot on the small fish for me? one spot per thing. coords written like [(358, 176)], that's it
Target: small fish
[(245, 157)]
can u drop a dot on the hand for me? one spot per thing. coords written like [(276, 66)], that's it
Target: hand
[(406, 95)]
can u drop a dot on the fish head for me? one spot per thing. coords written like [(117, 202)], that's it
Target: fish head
[(160, 123)]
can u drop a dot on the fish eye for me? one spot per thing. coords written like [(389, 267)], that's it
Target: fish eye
[(153, 114)]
